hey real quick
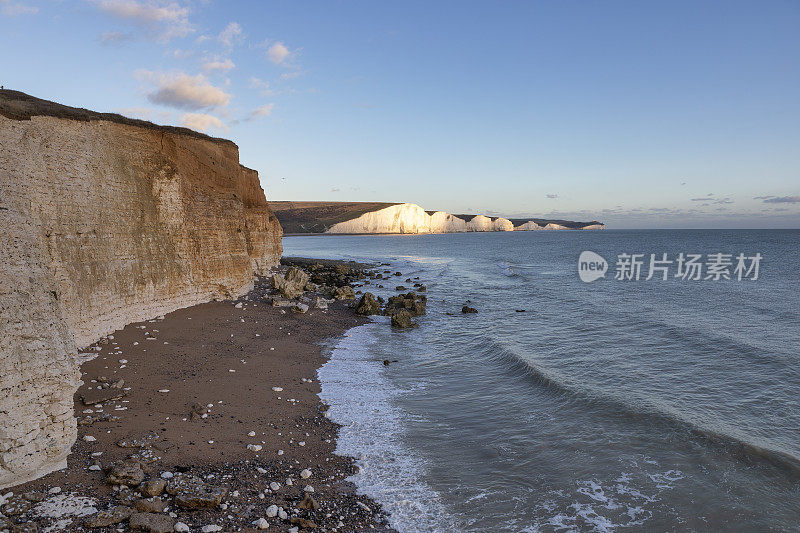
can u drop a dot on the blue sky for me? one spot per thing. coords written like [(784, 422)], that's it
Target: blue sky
[(639, 114)]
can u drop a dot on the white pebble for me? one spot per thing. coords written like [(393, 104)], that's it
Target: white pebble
[(305, 474), (274, 485), (282, 514), (123, 361), (211, 528), (254, 447), (251, 434), (54, 490), (167, 475), (280, 452), (272, 511), (277, 389), (163, 390), (180, 527), (309, 488), (261, 524), (89, 438), (95, 468)]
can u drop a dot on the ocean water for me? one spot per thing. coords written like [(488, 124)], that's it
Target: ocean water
[(607, 406)]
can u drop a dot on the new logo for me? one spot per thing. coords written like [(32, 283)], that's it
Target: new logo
[(591, 266)]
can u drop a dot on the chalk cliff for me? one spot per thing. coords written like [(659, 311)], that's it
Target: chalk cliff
[(528, 226), (105, 221), (299, 217)]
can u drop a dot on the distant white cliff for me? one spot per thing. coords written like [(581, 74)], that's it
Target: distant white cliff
[(528, 226), (411, 218)]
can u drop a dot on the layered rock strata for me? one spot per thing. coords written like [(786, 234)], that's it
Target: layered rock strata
[(105, 221)]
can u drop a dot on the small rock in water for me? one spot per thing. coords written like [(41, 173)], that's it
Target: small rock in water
[(467, 310)]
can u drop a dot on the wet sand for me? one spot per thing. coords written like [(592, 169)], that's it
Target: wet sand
[(199, 400)]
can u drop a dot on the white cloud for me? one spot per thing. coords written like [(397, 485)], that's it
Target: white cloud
[(278, 53), (231, 34), (12, 10), (223, 65), (203, 122), (263, 111), (262, 86), (183, 91), (167, 19)]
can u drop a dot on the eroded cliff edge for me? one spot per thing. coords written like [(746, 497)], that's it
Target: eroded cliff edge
[(105, 221)]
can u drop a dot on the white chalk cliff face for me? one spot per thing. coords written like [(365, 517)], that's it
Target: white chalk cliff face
[(411, 218), (528, 226)]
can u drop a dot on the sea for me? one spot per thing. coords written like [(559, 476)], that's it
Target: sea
[(563, 405)]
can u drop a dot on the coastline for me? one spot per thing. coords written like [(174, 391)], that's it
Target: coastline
[(220, 420)]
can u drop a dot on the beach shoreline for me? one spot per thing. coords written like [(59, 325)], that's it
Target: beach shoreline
[(224, 394)]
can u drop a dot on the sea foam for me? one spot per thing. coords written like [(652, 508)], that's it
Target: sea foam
[(361, 401)]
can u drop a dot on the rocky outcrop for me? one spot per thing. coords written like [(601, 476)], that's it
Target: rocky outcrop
[(105, 221)]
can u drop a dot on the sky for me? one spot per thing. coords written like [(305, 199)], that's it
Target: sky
[(638, 114)]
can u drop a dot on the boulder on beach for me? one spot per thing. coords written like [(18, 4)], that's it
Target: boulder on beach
[(402, 319), (344, 292), (415, 304), (291, 284), (368, 305)]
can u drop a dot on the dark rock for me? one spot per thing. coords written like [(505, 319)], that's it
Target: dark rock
[(192, 493), (128, 473), (386, 362), (153, 487), (291, 284), (155, 523), (368, 305), (34, 496), (402, 319), (308, 503), (519, 310), (95, 396), (344, 292), (115, 515), (400, 288), (303, 523), (467, 309), (197, 411), (415, 304), (151, 505)]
